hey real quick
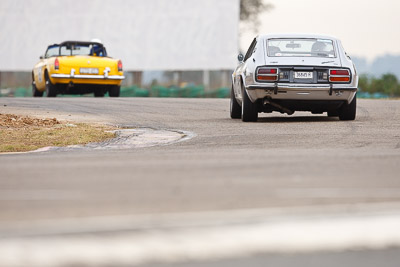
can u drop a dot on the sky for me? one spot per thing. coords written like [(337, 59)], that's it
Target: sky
[(367, 29)]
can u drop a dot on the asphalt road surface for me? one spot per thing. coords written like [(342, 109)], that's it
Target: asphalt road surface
[(279, 165)]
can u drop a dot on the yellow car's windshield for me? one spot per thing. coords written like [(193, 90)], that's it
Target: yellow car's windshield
[(76, 49)]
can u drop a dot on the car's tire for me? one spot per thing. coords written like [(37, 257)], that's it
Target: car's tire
[(334, 113), (35, 91), (114, 91), (99, 92), (51, 90), (348, 111), (236, 109), (249, 109)]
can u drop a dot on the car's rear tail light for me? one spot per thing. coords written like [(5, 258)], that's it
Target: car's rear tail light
[(339, 75), (119, 65), (340, 72), (267, 78), (267, 71), (267, 74), (56, 64), (339, 79)]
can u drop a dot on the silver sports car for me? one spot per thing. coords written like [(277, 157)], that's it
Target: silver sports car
[(294, 72)]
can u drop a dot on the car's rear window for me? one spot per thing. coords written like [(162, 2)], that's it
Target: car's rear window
[(285, 47), (75, 50)]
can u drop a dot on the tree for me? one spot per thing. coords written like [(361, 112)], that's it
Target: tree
[(250, 11), (390, 84), (376, 85), (387, 84), (364, 83)]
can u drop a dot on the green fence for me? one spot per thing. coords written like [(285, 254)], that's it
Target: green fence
[(197, 91), (16, 92), (134, 91), (173, 91), (374, 95)]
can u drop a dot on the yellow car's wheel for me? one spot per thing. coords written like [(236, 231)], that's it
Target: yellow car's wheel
[(99, 92), (35, 91), (114, 91), (51, 90)]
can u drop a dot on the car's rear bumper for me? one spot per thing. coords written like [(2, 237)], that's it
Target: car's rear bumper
[(286, 91), (58, 78), (93, 77)]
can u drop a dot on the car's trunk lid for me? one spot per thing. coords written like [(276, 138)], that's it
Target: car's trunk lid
[(87, 64), (87, 61)]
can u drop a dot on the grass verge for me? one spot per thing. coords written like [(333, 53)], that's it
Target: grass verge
[(21, 134)]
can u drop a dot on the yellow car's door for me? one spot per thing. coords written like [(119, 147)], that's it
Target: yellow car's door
[(38, 75)]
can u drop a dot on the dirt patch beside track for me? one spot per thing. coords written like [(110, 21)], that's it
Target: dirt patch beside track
[(11, 121), (22, 133)]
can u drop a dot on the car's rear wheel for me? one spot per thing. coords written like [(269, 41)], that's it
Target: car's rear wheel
[(114, 91), (99, 92), (334, 113), (249, 109), (51, 90), (35, 91), (348, 111), (236, 110)]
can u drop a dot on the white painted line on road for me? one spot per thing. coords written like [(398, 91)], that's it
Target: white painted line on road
[(290, 234)]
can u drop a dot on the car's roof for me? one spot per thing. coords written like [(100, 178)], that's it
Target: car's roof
[(81, 43), (297, 35), (77, 43)]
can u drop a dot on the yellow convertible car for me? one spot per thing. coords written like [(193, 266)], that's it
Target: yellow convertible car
[(75, 67)]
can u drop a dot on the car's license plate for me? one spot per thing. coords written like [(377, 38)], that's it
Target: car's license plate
[(89, 71), (303, 75)]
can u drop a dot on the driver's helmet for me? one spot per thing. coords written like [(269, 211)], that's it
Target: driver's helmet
[(96, 49), (318, 47)]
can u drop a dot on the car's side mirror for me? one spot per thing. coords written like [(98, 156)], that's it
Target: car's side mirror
[(240, 58)]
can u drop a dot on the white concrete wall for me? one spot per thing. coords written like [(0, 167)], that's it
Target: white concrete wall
[(145, 34)]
